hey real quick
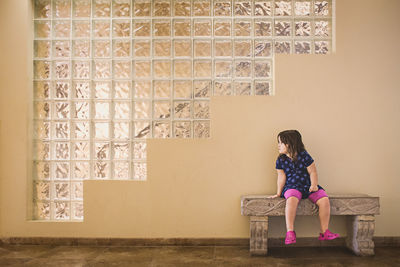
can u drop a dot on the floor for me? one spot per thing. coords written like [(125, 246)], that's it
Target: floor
[(27, 255)]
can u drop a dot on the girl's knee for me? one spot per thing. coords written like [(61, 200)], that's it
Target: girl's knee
[(323, 201)]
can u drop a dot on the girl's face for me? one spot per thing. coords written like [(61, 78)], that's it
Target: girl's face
[(282, 148)]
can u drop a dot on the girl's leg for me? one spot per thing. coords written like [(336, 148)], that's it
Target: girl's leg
[(290, 212), (324, 213)]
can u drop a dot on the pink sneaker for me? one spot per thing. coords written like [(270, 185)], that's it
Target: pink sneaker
[(328, 235), (290, 237)]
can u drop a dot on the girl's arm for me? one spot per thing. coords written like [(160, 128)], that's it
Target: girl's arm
[(312, 170), (280, 183)]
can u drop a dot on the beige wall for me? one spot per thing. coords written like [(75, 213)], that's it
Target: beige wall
[(346, 106)]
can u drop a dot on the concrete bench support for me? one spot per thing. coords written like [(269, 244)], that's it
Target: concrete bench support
[(259, 235)]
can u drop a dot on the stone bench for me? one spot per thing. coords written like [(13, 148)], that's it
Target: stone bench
[(359, 209)]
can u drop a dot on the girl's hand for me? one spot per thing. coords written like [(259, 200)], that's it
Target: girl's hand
[(274, 196), (313, 188)]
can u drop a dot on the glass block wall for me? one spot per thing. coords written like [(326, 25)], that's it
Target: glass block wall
[(108, 74)]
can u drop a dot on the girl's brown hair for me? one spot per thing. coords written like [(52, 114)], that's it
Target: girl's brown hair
[(292, 138)]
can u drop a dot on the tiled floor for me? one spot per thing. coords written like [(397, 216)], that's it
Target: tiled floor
[(25, 255)]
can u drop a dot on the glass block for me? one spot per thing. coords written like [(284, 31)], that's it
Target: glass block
[(242, 88), (162, 69), (81, 8), (242, 48), (162, 89), (41, 170), (201, 8), (202, 68), (42, 110), (201, 129), (122, 110), (243, 8), (62, 110), (77, 190), (182, 48), (42, 150), (161, 130), (42, 210), (202, 48), (302, 8), (223, 48), (302, 28), (102, 110), (122, 48), (121, 150), (182, 8), (162, 48), (42, 130), (183, 89), (142, 69), (101, 170), (42, 190), (139, 150), (142, 9), (121, 28), (81, 150), (322, 28), (102, 150), (42, 29), (62, 8), (263, 8), (142, 28), (142, 89), (61, 151), (62, 69), (41, 90), (121, 170), (102, 69), (61, 90), (121, 8), (142, 110), (102, 8), (102, 90), (81, 130), (283, 8), (142, 129), (42, 49), (182, 28), (122, 90), (282, 47), (81, 89), (139, 170), (222, 8), (322, 47), (161, 109), (182, 69), (77, 210), (242, 27), (262, 28), (262, 69), (61, 170), (101, 28), (202, 27), (142, 48), (262, 87), (81, 48), (243, 68), (302, 47), (62, 29), (81, 29), (41, 69), (222, 27), (222, 88), (162, 8), (121, 130), (61, 130), (223, 68), (202, 89), (182, 109), (262, 48), (81, 69), (322, 8), (283, 28), (162, 28), (81, 170), (42, 9), (201, 109), (122, 69), (182, 129)]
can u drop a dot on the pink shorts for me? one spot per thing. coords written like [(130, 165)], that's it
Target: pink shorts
[(313, 196)]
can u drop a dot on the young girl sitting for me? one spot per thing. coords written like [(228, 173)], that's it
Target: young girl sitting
[(298, 179)]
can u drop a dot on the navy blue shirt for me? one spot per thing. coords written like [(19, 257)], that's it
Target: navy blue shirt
[(297, 176)]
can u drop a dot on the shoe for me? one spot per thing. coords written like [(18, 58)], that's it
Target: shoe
[(290, 237), (328, 235)]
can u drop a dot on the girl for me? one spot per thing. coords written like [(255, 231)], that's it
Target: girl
[(298, 179)]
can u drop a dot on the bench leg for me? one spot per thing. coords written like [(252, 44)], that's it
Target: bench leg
[(360, 231), (258, 235)]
